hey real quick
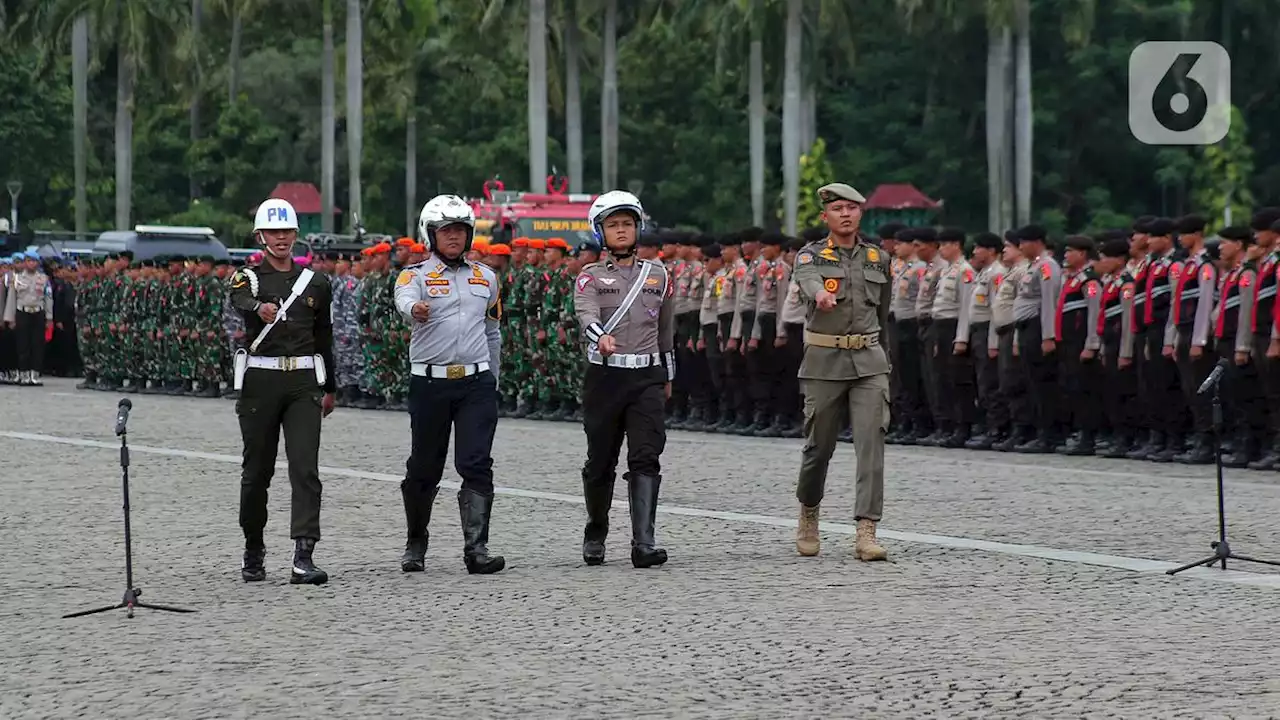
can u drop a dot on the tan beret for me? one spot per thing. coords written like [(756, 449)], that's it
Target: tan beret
[(839, 191)]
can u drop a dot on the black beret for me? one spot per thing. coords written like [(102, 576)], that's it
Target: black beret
[(1080, 242), (890, 230), (751, 234), (176, 259), (1238, 233), (1275, 226), (128, 254), (1032, 232), (703, 240), (1160, 227), (988, 240), (1107, 236), (1190, 224), (813, 234), (651, 240), (206, 258), (711, 251), (951, 234), (222, 261), (1140, 225), (1115, 248), (332, 255), (730, 240), (149, 263), (689, 239), (772, 238), (906, 234), (237, 262), (1265, 218), (925, 235), (796, 244)]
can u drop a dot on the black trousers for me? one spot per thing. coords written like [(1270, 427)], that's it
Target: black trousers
[(1243, 406), (271, 401), (1192, 372), (713, 361), (1163, 405), (685, 389), (993, 411), (1124, 411), (438, 406), (1080, 383), (764, 366), (912, 402), (1040, 372), (8, 349), (929, 369), (1013, 381), (736, 394), (956, 390), (622, 403), (790, 402), (1269, 379), (29, 336)]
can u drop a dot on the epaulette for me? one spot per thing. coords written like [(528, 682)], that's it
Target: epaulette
[(591, 266)]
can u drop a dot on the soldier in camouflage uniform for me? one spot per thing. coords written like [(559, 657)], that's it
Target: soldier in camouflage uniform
[(515, 335), (553, 284), (395, 331), (207, 329), (88, 316), (346, 334), (116, 284), (372, 312)]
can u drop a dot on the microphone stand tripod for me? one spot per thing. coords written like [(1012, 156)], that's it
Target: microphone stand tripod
[(131, 593), (1221, 550)]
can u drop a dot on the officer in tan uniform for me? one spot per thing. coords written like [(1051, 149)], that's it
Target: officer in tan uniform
[(845, 283), (625, 306), (28, 311)]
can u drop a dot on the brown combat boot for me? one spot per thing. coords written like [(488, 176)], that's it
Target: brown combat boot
[(807, 531), (866, 547)]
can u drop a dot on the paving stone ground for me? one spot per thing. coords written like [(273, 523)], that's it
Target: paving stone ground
[(734, 626)]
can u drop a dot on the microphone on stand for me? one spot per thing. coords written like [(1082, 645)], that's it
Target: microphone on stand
[(122, 415), (1214, 377)]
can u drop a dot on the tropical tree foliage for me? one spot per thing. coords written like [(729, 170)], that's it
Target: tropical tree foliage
[(195, 110)]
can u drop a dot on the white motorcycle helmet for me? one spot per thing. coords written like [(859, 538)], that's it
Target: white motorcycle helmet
[(444, 210), (274, 214), (610, 203)]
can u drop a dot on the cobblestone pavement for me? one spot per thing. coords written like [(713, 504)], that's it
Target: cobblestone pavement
[(734, 626)]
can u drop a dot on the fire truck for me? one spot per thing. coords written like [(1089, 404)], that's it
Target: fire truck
[(504, 215)]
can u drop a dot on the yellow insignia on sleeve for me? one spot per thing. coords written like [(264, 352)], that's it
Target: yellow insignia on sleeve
[(495, 310), (873, 255), (239, 280), (406, 277), (828, 254)]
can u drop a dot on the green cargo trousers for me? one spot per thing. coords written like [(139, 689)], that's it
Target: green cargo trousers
[(825, 403), (272, 400)]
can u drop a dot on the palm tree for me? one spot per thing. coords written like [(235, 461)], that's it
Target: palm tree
[(609, 100), (571, 38), (327, 121), (1022, 128), (80, 113), (537, 35), (137, 30), (791, 109), (355, 107), (197, 83)]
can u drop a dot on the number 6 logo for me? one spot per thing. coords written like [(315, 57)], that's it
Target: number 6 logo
[(1179, 93)]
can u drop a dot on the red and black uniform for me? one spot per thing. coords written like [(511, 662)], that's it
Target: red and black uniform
[(1161, 401), (1264, 320), (1080, 381), (1243, 417), (1119, 343), (1195, 281)]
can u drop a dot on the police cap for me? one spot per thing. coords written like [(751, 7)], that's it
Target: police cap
[(839, 191), (1032, 232), (1190, 224), (1236, 233), (988, 240), (889, 230), (1115, 248), (1160, 227)]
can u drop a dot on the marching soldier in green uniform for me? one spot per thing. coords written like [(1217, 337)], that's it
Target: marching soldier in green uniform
[(845, 284)]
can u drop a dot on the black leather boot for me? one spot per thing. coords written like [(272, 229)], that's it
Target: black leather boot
[(523, 408), (599, 498), (642, 491), (1271, 460), (474, 509), (1121, 444), (305, 571), (774, 428), (252, 569), (794, 429), (1244, 450), (417, 517)]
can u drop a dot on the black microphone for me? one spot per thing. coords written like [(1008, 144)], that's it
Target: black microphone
[(122, 415), (1214, 377)]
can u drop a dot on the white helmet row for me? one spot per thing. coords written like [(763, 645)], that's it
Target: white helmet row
[(610, 203), (275, 214)]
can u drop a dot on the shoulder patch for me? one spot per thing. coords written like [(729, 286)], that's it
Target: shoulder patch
[(1246, 279), (804, 258), (1127, 293), (1091, 288), (1207, 274), (968, 274), (873, 255), (1046, 272), (405, 277), (584, 279), (239, 280)]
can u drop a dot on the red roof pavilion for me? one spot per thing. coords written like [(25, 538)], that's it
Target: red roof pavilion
[(303, 196), (900, 196)]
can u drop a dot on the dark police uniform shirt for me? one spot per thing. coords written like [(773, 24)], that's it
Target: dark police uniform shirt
[(307, 328)]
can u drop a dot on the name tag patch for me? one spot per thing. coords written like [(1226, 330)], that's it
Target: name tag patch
[(478, 281), (438, 283)]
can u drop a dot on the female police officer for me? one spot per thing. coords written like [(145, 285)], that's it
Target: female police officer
[(280, 378), (453, 305), (625, 309)]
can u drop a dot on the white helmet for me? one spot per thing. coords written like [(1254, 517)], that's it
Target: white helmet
[(610, 203), (444, 210), (275, 214)]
